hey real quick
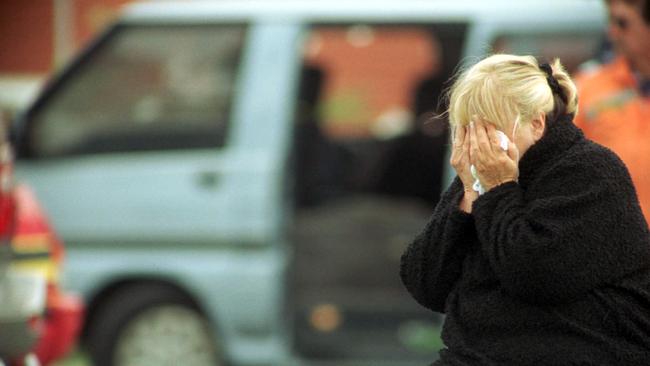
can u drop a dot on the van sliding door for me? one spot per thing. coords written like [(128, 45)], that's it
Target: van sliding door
[(369, 150)]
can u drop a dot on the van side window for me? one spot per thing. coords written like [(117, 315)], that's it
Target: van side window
[(573, 48), (368, 110), (143, 88)]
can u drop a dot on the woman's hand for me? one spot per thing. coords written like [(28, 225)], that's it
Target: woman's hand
[(460, 162), (493, 165), (460, 156)]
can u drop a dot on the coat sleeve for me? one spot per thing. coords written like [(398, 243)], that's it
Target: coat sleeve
[(583, 229), (431, 264)]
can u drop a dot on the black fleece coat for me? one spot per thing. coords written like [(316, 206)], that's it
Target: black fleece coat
[(551, 270)]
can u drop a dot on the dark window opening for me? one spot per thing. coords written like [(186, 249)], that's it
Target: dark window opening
[(368, 160)]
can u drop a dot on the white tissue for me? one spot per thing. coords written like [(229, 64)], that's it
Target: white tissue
[(503, 143)]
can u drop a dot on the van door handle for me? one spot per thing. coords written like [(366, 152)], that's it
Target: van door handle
[(207, 180)]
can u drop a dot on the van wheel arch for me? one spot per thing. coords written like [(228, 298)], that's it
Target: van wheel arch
[(142, 291)]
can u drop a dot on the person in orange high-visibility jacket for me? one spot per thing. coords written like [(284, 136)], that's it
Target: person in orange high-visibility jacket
[(614, 99)]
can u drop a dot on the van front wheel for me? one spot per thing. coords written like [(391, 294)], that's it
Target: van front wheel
[(152, 325)]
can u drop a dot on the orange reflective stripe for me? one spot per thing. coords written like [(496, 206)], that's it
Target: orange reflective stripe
[(615, 101)]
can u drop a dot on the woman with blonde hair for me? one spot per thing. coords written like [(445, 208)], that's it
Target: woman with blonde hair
[(537, 253)]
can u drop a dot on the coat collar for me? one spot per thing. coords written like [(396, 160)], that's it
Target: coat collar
[(559, 136)]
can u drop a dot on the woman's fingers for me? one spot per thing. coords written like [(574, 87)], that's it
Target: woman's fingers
[(459, 136), (473, 143), (482, 136), (479, 149), (492, 135), (513, 152), (460, 155), (457, 144), (459, 140), (466, 142)]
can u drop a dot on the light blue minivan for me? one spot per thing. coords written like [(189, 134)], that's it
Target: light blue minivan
[(236, 180)]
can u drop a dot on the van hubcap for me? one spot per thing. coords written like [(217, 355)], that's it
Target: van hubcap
[(166, 335)]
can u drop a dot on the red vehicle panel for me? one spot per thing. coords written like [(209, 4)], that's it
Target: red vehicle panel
[(37, 248)]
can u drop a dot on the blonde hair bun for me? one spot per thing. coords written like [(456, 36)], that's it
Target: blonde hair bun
[(503, 88)]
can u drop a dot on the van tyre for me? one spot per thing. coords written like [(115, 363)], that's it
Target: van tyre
[(145, 324)]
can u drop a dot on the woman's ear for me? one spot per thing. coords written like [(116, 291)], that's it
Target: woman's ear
[(539, 126)]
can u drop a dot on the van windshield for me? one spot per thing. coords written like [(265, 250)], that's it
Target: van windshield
[(143, 88)]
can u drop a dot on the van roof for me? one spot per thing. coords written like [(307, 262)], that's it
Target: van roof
[(536, 11)]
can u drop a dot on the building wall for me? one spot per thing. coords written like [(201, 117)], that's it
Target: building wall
[(26, 36), (38, 36)]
